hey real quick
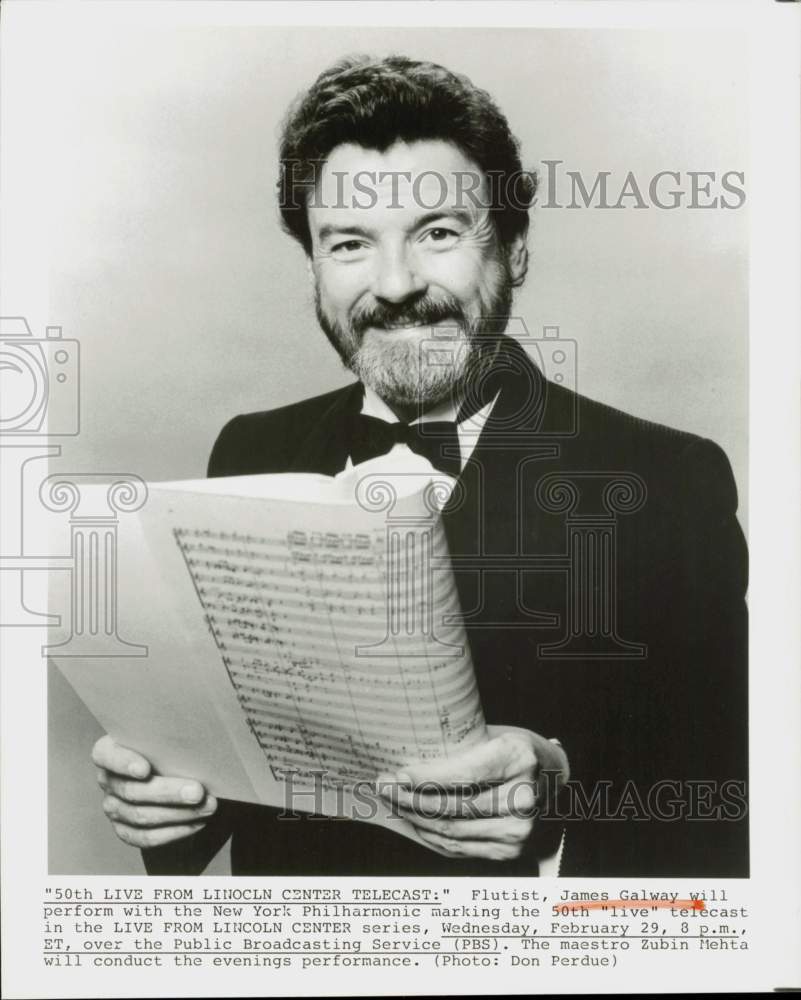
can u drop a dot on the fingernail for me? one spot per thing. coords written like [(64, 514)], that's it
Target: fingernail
[(191, 793), (137, 769)]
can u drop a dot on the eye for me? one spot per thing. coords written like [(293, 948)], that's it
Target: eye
[(441, 236), (347, 247)]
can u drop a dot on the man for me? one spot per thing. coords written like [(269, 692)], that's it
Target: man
[(608, 648)]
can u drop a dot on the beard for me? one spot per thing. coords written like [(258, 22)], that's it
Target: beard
[(420, 370)]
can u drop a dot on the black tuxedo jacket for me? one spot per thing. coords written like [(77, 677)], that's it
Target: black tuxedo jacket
[(651, 703)]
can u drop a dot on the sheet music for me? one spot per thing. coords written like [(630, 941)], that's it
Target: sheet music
[(296, 617), (312, 629)]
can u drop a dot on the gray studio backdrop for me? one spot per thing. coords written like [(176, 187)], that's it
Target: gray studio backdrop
[(191, 305)]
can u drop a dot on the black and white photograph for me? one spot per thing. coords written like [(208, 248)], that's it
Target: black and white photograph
[(599, 560), (380, 465)]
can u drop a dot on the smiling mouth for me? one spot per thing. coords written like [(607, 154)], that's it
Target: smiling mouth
[(401, 328), (398, 331)]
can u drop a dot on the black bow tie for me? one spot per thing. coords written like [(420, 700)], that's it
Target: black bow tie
[(437, 440)]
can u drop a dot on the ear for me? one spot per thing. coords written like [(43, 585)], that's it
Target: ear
[(517, 257)]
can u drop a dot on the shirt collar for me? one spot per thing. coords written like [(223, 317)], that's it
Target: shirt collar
[(469, 430)]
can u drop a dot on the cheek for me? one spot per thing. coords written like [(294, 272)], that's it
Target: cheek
[(463, 272), (338, 286)]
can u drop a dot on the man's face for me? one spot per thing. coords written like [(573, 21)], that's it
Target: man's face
[(404, 250)]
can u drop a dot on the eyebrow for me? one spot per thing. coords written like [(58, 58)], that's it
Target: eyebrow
[(461, 215)]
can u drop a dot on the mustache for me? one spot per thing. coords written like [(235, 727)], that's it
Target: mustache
[(424, 312)]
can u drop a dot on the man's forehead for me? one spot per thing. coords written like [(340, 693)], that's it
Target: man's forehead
[(413, 178)]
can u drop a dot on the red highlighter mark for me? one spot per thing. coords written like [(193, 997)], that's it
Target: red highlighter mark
[(652, 904)]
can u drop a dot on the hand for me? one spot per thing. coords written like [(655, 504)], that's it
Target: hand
[(147, 810), (479, 803)]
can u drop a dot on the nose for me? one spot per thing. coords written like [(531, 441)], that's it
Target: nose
[(396, 279)]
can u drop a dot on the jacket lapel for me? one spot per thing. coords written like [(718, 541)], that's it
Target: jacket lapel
[(487, 518), (507, 609), (325, 448)]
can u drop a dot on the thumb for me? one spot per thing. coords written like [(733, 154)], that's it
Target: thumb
[(495, 760), (120, 760)]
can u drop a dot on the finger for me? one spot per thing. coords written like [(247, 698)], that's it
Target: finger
[(512, 798), (111, 756), (488, 849), (147, 816), (502, 830), (500, 759), (157, 836), (155, 791)]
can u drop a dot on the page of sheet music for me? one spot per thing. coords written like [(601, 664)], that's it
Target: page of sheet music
[(299, 632), (330, 625)]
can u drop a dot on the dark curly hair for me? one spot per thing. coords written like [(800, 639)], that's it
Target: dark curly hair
[(376, 102)]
